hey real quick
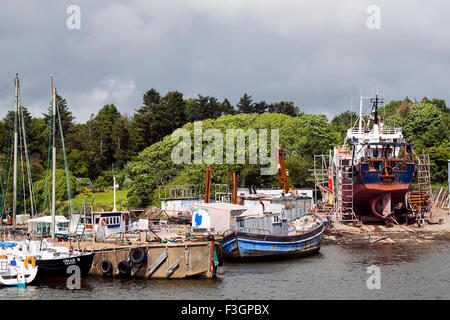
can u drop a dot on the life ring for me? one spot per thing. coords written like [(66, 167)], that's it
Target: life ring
[(29, 260), (103, 222)]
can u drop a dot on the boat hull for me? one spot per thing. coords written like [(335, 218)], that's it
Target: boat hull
[(58, 268), (248, 246), (13, 279), (369, 188)]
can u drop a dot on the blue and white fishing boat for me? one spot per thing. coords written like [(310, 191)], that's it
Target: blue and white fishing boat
[(280, 238)]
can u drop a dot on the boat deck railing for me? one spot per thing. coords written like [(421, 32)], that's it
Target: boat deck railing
[(384, 130), (248, 230)]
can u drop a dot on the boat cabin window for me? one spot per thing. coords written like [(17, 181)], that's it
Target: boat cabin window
[(398, 165), (276, 219), (240, 223), (375, 165)]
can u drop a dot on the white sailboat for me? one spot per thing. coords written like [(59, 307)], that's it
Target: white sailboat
[(50, 261), (15, 270)]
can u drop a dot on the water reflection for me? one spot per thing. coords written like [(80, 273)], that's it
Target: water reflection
[(337, 272)]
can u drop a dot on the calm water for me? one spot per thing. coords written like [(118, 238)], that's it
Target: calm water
[(407, 272)]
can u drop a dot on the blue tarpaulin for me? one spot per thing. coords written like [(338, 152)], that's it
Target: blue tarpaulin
[(7, 244)]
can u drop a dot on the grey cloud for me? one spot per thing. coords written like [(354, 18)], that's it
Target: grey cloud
[(316, 53)]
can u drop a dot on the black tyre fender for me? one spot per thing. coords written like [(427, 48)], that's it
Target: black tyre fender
[(124, 268), (138, 255), (106, 266)]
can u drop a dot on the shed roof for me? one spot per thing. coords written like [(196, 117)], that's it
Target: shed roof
[(221, 205), (48, 219)]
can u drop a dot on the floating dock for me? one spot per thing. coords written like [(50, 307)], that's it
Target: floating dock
[(159, 260)]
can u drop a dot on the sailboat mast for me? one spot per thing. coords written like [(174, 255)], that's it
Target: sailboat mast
[(16, 136), (114, 188), (53, 160), (360, 113)]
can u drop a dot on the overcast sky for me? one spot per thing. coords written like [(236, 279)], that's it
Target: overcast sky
[(315, 53)]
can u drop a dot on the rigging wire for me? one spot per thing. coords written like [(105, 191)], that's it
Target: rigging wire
[(23, 204), (27, 151), (29, 163), (7, 166), (48, 158), (69, 189)]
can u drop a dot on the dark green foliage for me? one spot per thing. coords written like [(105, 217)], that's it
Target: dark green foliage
[(284, 107), (245, 104), (139, 145)]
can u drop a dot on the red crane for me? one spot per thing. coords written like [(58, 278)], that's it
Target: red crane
[(282, 172), (234, 199), (208, 184)]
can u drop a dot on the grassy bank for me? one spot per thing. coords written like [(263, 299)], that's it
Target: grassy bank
[(103, 200)]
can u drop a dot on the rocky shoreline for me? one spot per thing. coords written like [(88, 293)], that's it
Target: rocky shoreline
[(436, 229)]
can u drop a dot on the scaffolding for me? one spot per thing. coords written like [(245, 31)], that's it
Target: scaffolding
[(179, 192), (421, 199), (322, 184), (343, 189), (222, 193)]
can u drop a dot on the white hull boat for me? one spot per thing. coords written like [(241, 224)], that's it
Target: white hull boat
[(16, 270)]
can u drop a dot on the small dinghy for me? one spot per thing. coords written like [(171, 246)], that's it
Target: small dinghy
[(14, 270)]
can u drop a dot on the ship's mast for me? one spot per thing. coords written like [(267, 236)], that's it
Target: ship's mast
[(361, 97), (53, 159), (375, 106), (16, 136), (360, 112), (115, 186), (375, 102)]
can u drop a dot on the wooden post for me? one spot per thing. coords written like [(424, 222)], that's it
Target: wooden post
[(234, 200)]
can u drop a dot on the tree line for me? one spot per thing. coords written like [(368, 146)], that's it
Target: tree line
[(110, 139)]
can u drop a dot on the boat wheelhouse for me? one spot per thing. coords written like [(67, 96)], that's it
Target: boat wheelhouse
[(105, 223), (42, 226)]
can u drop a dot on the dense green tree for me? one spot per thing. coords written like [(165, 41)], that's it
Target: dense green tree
[(104, 126), (342, 122), (141, 129), (425, 125), (44, 189), (285, 107), (67, 121), (169, 115), (319, 137), (226, 107), (260, 107), (245, 104), (439, 155), (440, 104)]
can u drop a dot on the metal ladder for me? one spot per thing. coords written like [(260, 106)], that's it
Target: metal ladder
[(344, 190), (424, 197)]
